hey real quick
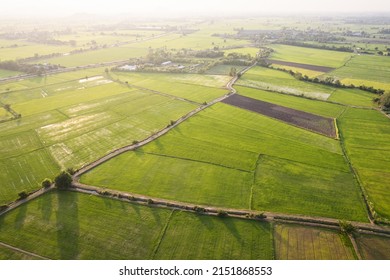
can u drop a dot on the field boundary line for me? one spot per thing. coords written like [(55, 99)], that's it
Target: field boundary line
[(357, 178), (158, 92), (200, 161), (355, 246), (22, 251), (254, 181), (164, 230)]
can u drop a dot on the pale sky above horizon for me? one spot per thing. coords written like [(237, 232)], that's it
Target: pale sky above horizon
[(188, 7)]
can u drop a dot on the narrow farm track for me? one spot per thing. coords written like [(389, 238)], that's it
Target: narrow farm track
[(23, 251)]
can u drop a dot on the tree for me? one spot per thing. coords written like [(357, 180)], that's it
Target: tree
[(385, 100), (22, 195), (346, 227), (233, 72), (46, 183), (63, 180)]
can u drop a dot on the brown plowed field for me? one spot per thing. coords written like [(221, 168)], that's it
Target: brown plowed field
[(301, 119), (302, 65)]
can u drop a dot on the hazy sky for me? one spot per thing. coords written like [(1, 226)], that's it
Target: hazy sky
[(192, 7)]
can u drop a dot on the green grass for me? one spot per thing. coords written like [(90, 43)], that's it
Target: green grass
[(367, 136), (309, 56), (194, 237), (307, 243), (212, 159), (292, 187), (274, 80), (374, 247), (69, 225)]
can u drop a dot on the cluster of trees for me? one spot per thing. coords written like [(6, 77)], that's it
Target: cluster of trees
[(209, 53), (42, 37), (385, 31), (384, 101), (158, 56), (26, 68), (235, 55)]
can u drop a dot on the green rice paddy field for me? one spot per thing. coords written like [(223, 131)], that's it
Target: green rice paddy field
[(278, 81), (366, 70), (68, 225), (223, 156), (226, 156), (281, 82), (71, 119), (318, 57), (64, 225), (366, 135)]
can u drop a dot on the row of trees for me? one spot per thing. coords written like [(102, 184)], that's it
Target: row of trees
[(329, 81), (26, 68), (317, 46)]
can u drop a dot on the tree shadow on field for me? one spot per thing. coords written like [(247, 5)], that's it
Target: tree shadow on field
[(20, 216), (230, 225), (68, 225), (107, 202), (46, 206), (135, 209), (156, 215), (206, 221)]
